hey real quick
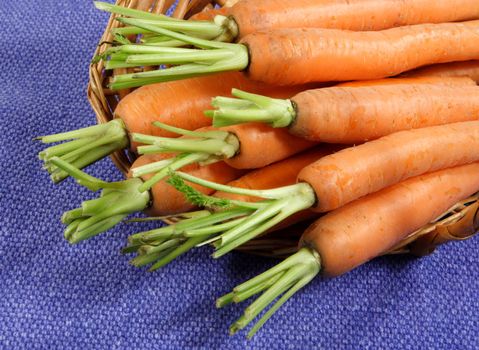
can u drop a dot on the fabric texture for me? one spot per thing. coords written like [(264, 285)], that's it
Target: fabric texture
[(57, 296)]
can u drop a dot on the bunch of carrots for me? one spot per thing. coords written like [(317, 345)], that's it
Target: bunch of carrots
[(358, 117)]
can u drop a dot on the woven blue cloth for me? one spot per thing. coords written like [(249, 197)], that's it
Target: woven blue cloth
[(57, 296)]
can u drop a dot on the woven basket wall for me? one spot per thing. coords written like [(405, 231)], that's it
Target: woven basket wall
[(458, 223)]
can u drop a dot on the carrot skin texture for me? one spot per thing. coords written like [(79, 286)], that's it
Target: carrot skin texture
[(360, 15), (351, 236), (357, 171), (181, 103), (298, 56), (461, 79), (261, 145), (166, 200), (357, 114), (454, 69)]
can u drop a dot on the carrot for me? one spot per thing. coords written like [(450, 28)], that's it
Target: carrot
[(177, 103), (349, 174), (359, 113), (298, 56), (209, 15), (250, 16), (352, 235), (237, 145), (454, 69), (161, 246), (119, 199), (459, 80)]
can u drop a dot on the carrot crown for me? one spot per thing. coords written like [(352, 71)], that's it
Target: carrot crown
[(117, 200), (220, 29), (200, 147), (284, 279), (280, 203), (87, 146), (248, 107), (207, 57)]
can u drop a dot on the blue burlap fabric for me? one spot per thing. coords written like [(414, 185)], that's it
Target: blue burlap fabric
[(57, 296)]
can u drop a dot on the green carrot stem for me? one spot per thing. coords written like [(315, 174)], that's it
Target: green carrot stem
[(142, 260), (188, 224), (285, 278), (152, 249), (276, 112), (189, 244), (117, 200), (225, 300), (124, 11), (173, 58), (174, 217), (281, 192), (207, 231), (178, 163), (115, 64), (212, 134), (71, 215), (152, 167), (201, 29), (296, 287), (218, 60), (64, 148), (87, 146), (242, 296)]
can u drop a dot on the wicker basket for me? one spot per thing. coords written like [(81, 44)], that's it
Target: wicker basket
[(458, 223)]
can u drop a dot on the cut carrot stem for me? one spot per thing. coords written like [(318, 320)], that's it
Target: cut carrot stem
[(250, 107), (287, 201), (87, 146), (117, 200)]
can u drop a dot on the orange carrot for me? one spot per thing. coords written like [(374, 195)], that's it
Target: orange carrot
[(177, 103), (261, 145), (251, 16), (288, 57), (350, 236), (298, 56), (354, 172), (460, 79), (349, 174), (454, 69), (344, 114)]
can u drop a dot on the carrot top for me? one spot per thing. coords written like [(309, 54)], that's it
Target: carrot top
[(205, 58), (221, 28), (204, 147), (117, 200), (286, 278), (87, 145), (279, 204), (248, 107)]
